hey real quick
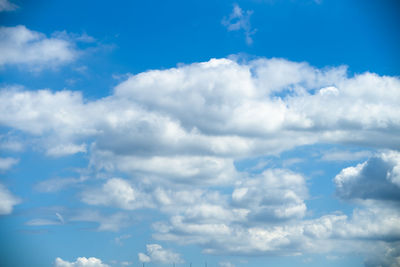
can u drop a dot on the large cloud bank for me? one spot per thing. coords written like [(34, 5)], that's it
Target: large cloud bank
[(176, 134)]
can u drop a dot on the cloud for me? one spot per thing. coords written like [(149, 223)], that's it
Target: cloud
[(345, 155), (245, 222), (378, 178), (60, 218), (9, 143), (66, 149), (57, 184), (7, 200), (273, 195), (6, 5), (143, 257), (51, 221), (184, 169), (240, 20), (156, 253), (106, 222), (226, 264), (20, 45), (119, 193), (219, 109), (330, 233), (263, 200), (176, 134), (7, 163), (80, 262), (118, 240), (389, 256), (42, 222)]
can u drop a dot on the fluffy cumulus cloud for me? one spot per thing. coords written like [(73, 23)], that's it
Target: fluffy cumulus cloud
[(117, 192), (373, 227), (20, 45), (156, 253), (175, 134), (273, 195), (378, 178), (364, 231), (80, 262), (7, 200), (218, 108)]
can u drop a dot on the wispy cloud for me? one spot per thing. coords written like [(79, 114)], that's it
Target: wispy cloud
[(6, 5), (238, 20), (7, 163), (57, 184), (119, 240), (345, 155), (57, 219)]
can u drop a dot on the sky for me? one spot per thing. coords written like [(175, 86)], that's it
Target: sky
[(200, 133)]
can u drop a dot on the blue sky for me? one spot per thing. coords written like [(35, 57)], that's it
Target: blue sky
[(232, 133)]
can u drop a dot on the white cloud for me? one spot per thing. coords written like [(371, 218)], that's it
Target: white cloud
[(177, 133), (14, 146), (345, 155), (196, 205), (7, 163), (11, 143), (42, 111), (226, 264), (240, 20), (80, 262), (119, 193), (378, 178), (58, 220), (143, 257), (106, 222), (156, 253), (176, 169), (57, 184), (20, 45), (6, 5), (246, 223), (7, 200), (42, 222), (273, 195), (217, 109), (66, 149), (330, 233)]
